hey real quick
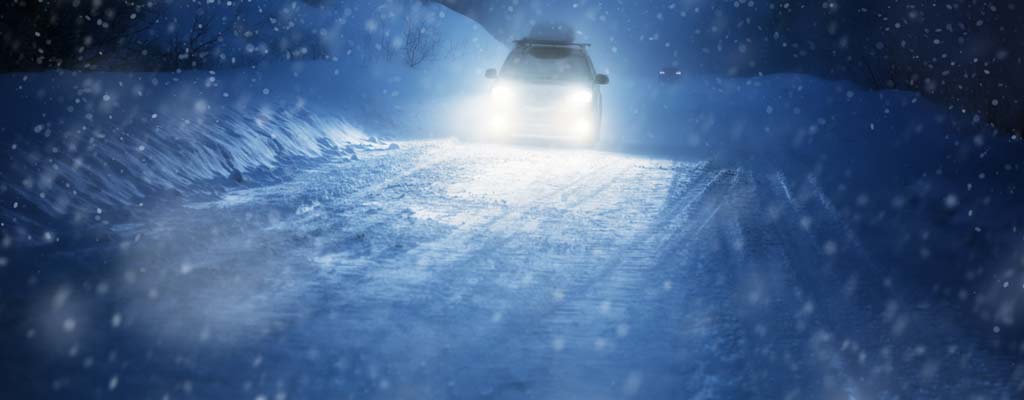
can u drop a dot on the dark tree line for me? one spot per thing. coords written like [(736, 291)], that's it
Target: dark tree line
[(965, 54), (40, 35), (169, 35), (145, 35)]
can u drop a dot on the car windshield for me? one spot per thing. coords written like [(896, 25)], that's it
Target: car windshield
[(547, 63)]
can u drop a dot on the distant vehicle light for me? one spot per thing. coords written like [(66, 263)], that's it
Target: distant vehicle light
[(670, 74)]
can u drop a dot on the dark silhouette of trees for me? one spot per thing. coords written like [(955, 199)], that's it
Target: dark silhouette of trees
[(421, 43), (145, 35), (38, 35)]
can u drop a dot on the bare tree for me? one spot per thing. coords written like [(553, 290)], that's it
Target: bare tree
[(193, 49), (421, 43)]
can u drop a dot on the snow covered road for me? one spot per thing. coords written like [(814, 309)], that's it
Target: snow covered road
[(463, 270)]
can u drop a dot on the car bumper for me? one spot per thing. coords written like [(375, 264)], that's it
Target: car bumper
[(548, 123)]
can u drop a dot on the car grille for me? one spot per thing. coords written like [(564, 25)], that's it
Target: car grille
[(543, 96)]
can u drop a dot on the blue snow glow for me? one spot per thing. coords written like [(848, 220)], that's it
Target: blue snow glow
[(321, 199)]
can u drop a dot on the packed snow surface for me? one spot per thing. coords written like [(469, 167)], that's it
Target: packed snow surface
[(461, 270)]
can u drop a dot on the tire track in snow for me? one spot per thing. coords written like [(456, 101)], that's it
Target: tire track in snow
[(577, 305), (621, 278), (481, 233), (586, 188), (583, 188)]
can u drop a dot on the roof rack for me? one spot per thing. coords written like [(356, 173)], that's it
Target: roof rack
[(542, 42)]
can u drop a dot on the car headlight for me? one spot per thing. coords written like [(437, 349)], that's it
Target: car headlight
[(499, 123), (581, 97), (582, 127), (502, 93)]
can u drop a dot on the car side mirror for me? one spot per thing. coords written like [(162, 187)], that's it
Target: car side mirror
[(601, 79), (491, 73)]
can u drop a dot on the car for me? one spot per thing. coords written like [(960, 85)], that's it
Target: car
[(670, 74), (547, 89)]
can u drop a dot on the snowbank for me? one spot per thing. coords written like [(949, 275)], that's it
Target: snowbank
[(933, 194), (82, 147)]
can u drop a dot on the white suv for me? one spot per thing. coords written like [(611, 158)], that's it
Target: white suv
[(548, 89)]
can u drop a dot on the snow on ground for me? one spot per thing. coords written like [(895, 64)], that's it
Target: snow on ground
[(730, 238), (453, 270)]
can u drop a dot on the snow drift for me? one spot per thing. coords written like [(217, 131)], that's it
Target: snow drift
[(932, 194), (113, 140)]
